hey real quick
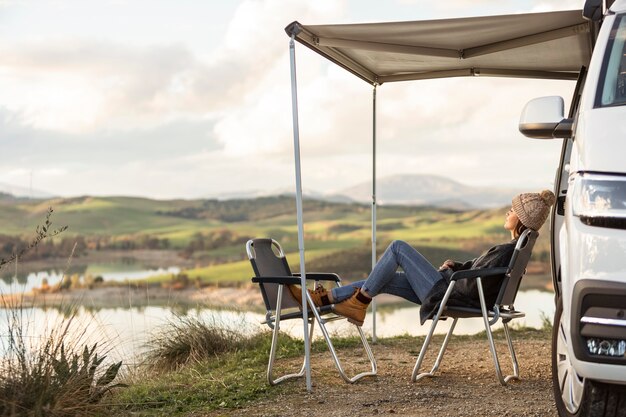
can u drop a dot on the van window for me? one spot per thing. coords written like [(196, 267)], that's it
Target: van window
[(612, 86)]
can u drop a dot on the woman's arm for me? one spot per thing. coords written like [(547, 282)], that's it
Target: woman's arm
[(456, 266)]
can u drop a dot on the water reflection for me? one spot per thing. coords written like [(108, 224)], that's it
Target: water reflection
[(538, 306), (9, 276), (125, 331), (118, 271)]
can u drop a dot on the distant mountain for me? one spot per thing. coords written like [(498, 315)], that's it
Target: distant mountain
[(16, 191), (430, 190), (315, 195)]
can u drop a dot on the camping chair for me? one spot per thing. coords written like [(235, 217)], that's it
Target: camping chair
[(272, 274), (502, 309)]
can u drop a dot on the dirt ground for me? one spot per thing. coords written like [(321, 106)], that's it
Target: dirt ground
[(465, 385)]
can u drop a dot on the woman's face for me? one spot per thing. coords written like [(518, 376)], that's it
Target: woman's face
[(511, 220)]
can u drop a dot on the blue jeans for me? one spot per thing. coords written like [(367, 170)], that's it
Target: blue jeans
[(413, 284)]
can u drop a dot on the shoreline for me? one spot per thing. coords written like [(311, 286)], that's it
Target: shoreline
[(160, 258), (131, 296), (139, 294)]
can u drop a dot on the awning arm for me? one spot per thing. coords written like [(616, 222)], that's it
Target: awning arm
[(483, 72), (526, 40), (309, 40), (388, 47)]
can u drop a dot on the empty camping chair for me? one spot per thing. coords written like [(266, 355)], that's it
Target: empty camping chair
[(272, 273), (502, 309)]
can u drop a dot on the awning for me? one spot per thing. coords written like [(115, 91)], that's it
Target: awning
[(552, 45)]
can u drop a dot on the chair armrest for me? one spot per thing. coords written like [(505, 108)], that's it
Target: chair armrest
[(285, 280), (475, 273), (320, 276)]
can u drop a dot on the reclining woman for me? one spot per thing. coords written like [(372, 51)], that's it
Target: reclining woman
[(420, 282)]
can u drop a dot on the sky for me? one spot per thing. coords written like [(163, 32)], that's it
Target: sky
[(192, 99)]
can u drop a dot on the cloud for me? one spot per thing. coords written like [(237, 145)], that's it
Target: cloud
[(552, 5), (85, 84), (335, 112), (81, 85), (456, 4), (71, 164), (95, 105), (465, 8), (95, 116)]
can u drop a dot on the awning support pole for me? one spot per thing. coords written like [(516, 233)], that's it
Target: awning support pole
[(296, 149), (374, 205)]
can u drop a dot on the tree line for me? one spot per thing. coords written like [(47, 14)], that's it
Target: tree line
[(79, 245)]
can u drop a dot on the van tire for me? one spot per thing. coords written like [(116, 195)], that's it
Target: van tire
[(597, 399), (607, 400)]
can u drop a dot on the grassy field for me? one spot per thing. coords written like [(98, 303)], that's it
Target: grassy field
[(337, 236)]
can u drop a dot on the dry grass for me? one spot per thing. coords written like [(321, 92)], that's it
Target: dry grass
[(191, 339), (54, 373)]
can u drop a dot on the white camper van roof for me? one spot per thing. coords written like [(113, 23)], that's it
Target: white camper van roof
[(536, 45)]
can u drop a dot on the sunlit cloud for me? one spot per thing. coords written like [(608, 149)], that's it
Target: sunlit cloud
[(466, 8), (552, 5), (77, 85), (52, 172), (96, 115), (17, 173)]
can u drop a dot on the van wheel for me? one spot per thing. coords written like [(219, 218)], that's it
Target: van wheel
[(569, 388), (576, 396)]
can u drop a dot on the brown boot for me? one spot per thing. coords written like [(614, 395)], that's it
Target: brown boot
[(319, 296), (353, 308)]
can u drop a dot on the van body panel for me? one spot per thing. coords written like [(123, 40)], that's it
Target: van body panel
[(600, 143)]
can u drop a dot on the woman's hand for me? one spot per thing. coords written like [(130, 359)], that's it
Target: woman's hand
[(447, 264)]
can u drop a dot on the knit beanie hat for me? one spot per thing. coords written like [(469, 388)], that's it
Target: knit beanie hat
[(533, 208)]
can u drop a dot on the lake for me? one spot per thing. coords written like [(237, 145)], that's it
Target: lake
[(125, 330), (118, 271)]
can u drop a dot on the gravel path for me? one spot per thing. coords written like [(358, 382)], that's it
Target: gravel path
[(466, 384)]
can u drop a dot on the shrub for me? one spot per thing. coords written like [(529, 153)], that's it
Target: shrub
[(55, 377), (390, 226), (188, 339), (55, 374)]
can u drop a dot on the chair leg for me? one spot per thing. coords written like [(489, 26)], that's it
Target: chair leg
[(492, 345), (512, 352), (494, 354), (333, 353), (444, 347), (418, 364), (275, 332)]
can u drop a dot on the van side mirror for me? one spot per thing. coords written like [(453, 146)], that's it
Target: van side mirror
[(542, 118)]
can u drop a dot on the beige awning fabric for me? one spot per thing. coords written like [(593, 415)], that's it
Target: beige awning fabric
[(553, 45)]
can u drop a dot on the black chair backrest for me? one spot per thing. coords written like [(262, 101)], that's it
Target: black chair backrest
[(517, 268), (267, 263)]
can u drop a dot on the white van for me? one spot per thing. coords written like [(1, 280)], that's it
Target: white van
[(589, 225)]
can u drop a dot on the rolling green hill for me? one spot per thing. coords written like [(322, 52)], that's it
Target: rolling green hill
[(337, 236)]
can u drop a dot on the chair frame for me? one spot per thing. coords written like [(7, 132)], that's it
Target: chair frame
[(510, 285), (274, 315)]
